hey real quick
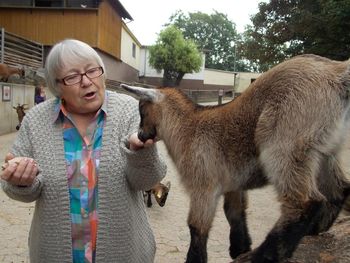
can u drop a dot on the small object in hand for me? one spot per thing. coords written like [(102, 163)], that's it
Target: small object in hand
[(9, 162)]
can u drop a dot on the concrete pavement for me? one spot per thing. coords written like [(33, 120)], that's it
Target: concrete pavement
[(168, 222)]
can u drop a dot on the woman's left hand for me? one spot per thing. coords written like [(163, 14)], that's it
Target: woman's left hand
[(136, 144)]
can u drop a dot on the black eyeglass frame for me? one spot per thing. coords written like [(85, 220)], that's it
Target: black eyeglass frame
[(63, 80)]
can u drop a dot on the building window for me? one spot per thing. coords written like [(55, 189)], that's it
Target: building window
[(49, 3), (133, 50), (16, 3), (82, 3)]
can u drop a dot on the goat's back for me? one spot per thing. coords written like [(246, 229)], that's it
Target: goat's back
[(301, 76), (298, 107), (302, 112), (300, 97)]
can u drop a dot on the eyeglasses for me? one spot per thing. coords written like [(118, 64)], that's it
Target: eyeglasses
[(77, 78)]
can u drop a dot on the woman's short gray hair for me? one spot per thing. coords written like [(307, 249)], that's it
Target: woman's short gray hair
[(67, 52)]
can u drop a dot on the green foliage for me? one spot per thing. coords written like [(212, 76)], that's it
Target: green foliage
[(283, 29), (175, 55), (215, 34)]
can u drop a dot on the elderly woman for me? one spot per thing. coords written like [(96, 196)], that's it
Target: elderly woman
[(83, 165)]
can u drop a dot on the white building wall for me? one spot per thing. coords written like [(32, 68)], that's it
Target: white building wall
[(148, 71), (143, 62), (145, 69), (209, 76), (127, 42), (219, 77), (243, 80)]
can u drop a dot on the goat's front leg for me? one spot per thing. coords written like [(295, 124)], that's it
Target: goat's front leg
[(235, 204), (200, 219)]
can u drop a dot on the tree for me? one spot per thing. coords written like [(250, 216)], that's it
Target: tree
[(283, 29), (215, 34), (175, 55)]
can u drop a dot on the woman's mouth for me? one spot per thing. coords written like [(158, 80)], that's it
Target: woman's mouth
[(90, 95)]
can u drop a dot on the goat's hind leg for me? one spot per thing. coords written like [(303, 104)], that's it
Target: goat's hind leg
[(235, 204), (294, 176), (200, 218), (312, 189), (334, 185)]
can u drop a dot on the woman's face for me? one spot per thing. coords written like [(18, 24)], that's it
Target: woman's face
[(86, 96)]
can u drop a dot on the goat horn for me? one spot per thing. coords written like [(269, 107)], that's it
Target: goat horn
[(139, 91)]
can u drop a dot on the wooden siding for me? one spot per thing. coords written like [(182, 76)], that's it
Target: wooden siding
[(50, 26), (101, 28), (109, 30)]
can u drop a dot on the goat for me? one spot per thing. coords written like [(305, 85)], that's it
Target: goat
[(6, 71), (20, 109), (160, 192), (286, 129)]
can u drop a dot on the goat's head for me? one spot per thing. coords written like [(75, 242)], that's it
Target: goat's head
[(149, 110), (20, 109)]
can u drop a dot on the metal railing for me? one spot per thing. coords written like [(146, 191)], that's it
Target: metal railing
[(209, 95), (17, 51)]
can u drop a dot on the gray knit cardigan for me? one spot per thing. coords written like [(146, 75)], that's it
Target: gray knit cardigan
[(124, 234)]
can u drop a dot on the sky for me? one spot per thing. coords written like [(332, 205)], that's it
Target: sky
[(149, 16)]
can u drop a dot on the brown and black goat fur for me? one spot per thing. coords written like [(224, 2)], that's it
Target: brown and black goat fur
[(286, 129), (20, 110), (6, 71)]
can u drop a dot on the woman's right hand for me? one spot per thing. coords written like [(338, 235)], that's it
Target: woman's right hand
[(19, 171)]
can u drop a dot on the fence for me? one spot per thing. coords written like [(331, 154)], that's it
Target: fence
[(197, 95), (209, 95), (17, 51)]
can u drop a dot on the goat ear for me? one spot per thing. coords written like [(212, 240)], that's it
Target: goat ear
[(151, 94)]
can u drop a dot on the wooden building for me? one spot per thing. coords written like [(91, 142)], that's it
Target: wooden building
[(101, 24), (96, 22)]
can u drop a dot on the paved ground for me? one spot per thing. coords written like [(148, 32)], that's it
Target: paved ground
[(168, 222)]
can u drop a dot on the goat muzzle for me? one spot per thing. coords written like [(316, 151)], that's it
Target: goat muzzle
[(144, 136)]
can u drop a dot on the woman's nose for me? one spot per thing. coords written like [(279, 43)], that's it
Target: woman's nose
[(85, 81)]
